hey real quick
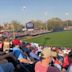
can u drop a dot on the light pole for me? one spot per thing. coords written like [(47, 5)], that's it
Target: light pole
[(24, 12), (67, 14), (45, 14)]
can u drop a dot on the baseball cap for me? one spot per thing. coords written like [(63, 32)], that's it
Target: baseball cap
[(16, 42)]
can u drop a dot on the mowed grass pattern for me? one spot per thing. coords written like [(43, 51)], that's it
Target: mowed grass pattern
[(59, 39)]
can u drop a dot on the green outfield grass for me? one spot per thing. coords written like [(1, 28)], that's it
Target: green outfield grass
[(61, 39)]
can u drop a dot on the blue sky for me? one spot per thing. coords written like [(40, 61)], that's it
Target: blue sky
[(26, 10)]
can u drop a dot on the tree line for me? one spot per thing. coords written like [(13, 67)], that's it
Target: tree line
[(51, 24)]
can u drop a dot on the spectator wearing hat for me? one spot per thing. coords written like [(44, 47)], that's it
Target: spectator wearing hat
[(16, 41), (23, 59), (43, 65), (19, 53)]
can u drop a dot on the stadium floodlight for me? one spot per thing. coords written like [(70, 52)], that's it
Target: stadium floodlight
[(45, 14), (24, 7), (67, 14)]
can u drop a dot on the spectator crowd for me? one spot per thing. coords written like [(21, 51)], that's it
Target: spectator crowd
[(19, 56)]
